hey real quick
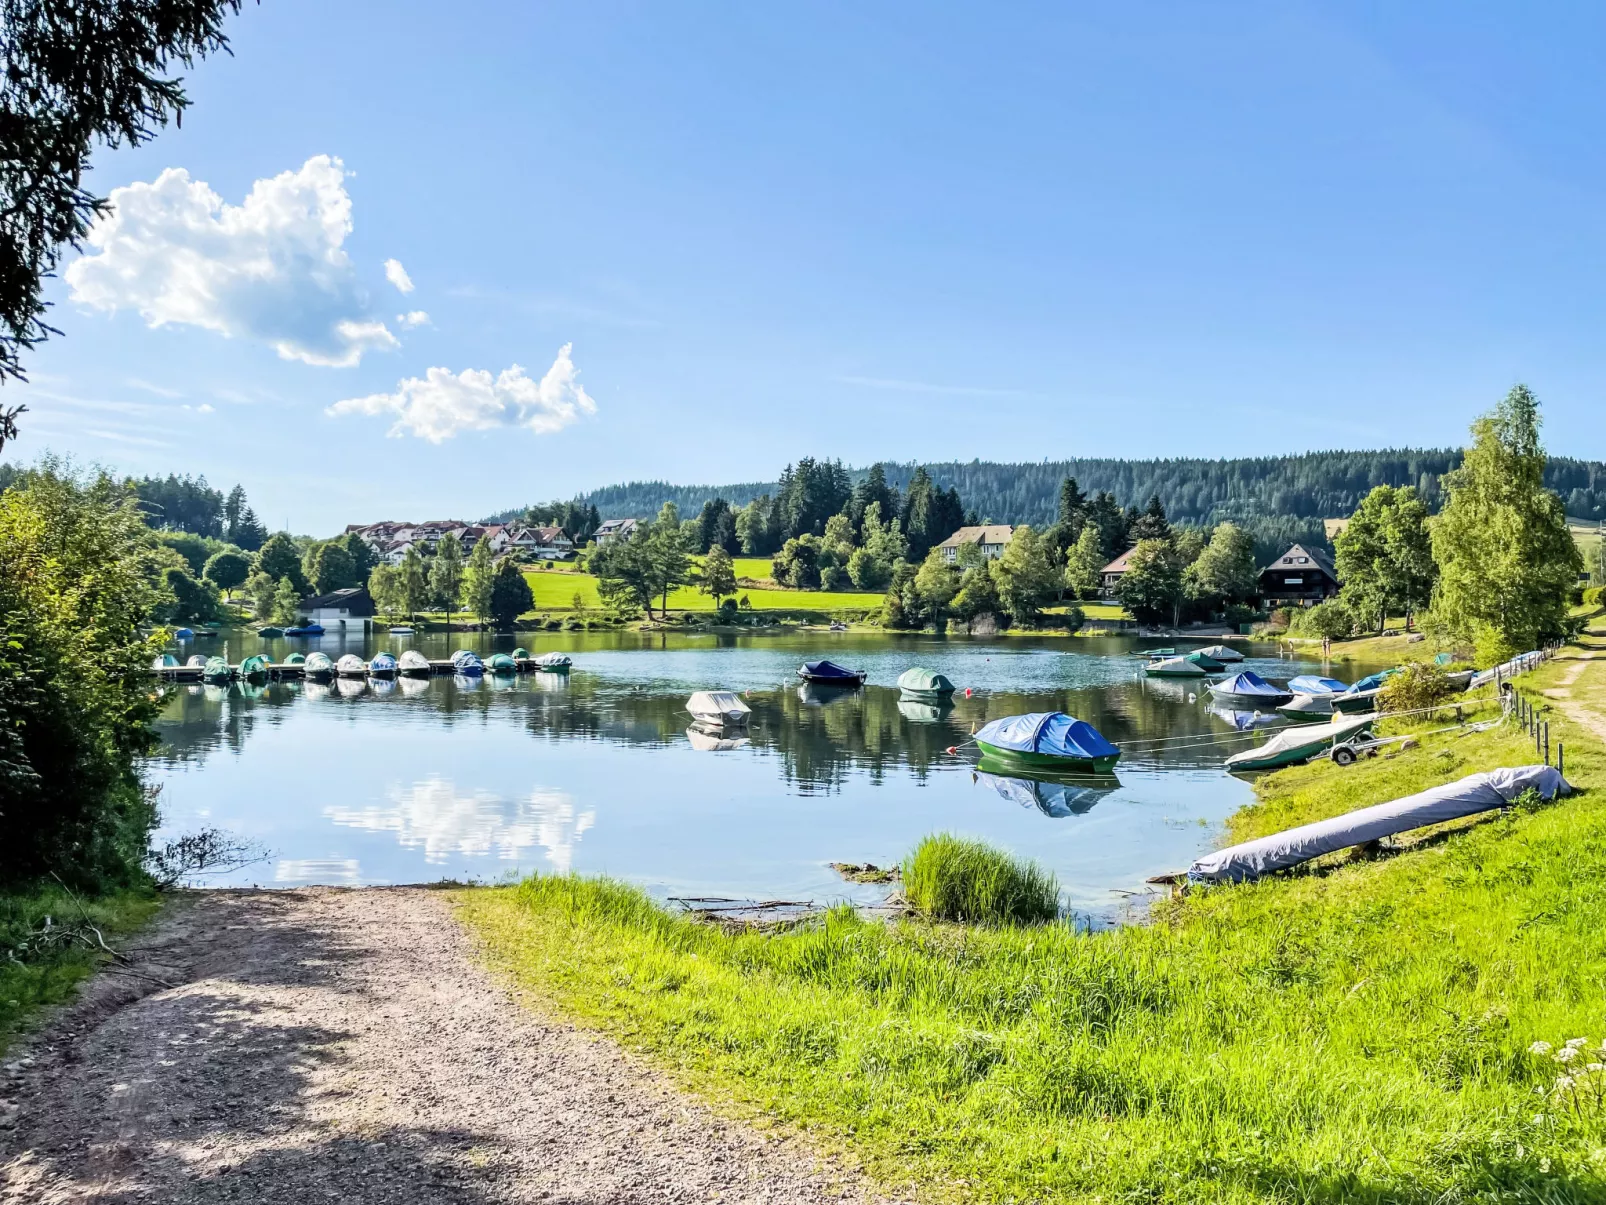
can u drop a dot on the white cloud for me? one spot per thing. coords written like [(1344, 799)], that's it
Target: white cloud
[(158, 390), (413, 318), (397, 275), (271, 269), (438, 405)]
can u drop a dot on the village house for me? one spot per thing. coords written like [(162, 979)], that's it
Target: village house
[(991, 539), (1110, 576), (1300, 577), (616, 529), (340, 610)]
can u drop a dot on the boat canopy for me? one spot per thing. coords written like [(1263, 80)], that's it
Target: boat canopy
[(827, 671), (382, 663), (216, 667), (165, 661), (553, 659), (1371, 682), (1049, 732), (318, 663), (463, 654), (716, 704), (183, 634), (195, 660), (1466, 797), (521, 654), (1221, 652), (1249, 684), (1203, 660), (1313, 684), (295, 659), (501, 663), (925, 681), (257, 664), (413, 659), (351, 664), (1056, 799), (1178, 667)]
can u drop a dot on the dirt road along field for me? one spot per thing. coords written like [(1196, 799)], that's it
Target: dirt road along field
[(327, 1045)]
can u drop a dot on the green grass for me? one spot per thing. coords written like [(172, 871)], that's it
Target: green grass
[(1353, 1035), (36, 981), (955, 878), (554, 590)]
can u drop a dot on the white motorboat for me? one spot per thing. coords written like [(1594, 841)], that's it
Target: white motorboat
[(718, 707)]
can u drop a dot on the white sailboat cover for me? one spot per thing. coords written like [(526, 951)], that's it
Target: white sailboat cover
[(1465, 797), (718, 706), (1306, 736)]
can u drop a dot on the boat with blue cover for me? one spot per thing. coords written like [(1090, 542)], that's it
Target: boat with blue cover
[(468, 663), (1363, 695), (1250, 689), (310, 629), (384, 665), (829, 673), (183, 634), (1048, 740), (1313, 698)]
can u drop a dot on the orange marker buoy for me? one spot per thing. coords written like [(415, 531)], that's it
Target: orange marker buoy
[(967, 692), (953, 748)]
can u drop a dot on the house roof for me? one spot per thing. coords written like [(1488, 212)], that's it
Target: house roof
[(612, 525), (548, 535), (1119, 564), (354, 599), (991, 533), (1289, 561)]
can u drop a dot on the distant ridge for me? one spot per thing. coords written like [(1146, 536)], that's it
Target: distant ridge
[(1277, 495)]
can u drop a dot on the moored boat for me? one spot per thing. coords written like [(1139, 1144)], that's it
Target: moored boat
[(351, 666), (401, 629), (216, 671), (553, 663), (270, 632), (1294, 745), (1250, 689), (1174, 667), (468, 663), (183, 634), (1204, 661), (383, 665), (165, 661), (196, 661), (413, 663), (295, 659), (1221, 652), (309, 629), (1313, 697), (521, 654), (718, 707), (1363, 695), (501, 663), (255, 668), (318, 666), (1048, 740), (922, 683), (829, 673)]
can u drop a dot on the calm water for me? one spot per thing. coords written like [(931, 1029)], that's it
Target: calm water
[(416, 780)]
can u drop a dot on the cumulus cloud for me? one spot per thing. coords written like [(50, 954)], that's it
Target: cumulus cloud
[(397, 275), (413, 318), (439, 404), (271, 269)]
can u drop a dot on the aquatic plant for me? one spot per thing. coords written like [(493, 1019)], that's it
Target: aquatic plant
[(957, 879)]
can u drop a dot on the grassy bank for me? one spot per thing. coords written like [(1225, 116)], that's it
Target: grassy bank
[(1359, 1034), (38, 968)]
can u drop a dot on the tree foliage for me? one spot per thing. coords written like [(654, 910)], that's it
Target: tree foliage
[(1507, 561), (1027, 581), (227, 569), (77, 587), (478, 575), (328, 566), (446, 574), (718, 577), (1151, 587), (510, 594), (78, 75), (1385, 556), (279, 558)]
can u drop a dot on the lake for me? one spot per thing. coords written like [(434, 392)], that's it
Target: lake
[(418, 780)]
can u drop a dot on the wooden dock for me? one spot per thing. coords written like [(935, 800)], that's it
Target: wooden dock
[(297, 671)]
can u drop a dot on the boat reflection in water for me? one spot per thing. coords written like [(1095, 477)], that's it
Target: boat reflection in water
[(818, 694), (412, 687), (1243, 719), (710, 738), (1056, 796), (917, 711)]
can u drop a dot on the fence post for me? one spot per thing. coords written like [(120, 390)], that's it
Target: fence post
[(1561, 758), (1547, 742)]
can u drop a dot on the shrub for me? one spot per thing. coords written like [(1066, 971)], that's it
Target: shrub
[(1330, 620), (956, 879), (1592, 596), (1418, 684)]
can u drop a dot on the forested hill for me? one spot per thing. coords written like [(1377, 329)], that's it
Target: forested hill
[(1298, 490)]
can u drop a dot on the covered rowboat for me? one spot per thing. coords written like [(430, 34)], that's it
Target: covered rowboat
[(1249, 689), (1294, 745), (468, 663), (829, 673), (1174, 667), (351, 666), (1047, 740), (920, 683), (501, 663), (384, 665), (1220, 652), (413, 663), (553, 663), (718, 707), (318, 666)]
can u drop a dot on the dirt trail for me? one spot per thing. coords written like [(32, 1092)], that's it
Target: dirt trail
[(346, 1046)]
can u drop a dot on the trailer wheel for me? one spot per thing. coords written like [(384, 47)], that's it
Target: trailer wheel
[(1344, 757)]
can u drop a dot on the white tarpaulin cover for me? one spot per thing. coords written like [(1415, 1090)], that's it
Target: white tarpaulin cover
[(718, 705), (1473, 794)]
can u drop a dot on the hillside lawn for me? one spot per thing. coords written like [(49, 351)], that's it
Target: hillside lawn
[(1356, 1033)]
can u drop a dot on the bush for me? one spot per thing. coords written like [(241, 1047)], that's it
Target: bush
[(1592, 596), (1330, 620), (1418, 684), (952, 878)]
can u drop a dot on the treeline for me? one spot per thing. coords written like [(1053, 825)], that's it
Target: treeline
[(189, 504), (1279, 499)]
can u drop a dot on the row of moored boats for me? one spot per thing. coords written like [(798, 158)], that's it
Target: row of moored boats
[(411, 663)]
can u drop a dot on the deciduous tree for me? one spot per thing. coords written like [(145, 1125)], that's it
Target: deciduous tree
[(718, 577), (1027, 581), (1151, 587), (446, 575), (510, 594)]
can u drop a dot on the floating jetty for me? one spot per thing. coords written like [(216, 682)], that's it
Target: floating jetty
[(276, 671)]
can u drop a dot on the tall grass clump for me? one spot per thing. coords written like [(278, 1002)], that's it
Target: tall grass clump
[(955, 879)]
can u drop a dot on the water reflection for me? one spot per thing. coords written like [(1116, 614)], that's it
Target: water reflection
[(602, 770)]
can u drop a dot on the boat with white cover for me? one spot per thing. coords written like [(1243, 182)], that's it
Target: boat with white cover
[(718, 707)]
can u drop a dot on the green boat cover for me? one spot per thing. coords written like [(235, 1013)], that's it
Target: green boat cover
[(295, 658), (255, 665), (1204, 662), (521, 654), (925, 681), (215, 667), (501, 663)]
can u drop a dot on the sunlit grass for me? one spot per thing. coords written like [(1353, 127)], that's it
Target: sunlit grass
[(959, 879), (1355, 1034), (554, 590)]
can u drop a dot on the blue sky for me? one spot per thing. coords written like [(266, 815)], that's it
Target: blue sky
[(696, 241)]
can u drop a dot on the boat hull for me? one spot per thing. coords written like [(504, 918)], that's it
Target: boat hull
[(1049, 761), (1254, 702), (1347, 705), (1194, 673)]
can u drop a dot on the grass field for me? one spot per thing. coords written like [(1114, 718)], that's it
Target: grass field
[(1359, 1034), (554, 590)]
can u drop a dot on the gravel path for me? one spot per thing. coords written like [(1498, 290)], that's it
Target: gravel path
[(327, 1045)]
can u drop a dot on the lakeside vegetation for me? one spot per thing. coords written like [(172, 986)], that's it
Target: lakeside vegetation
[(1360, 1032)]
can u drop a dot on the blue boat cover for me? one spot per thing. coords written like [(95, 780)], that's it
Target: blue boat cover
[(1249, 684), (383, 661), (463, 655), (183, 634), (1050, 732), (1313, 684), (1056, 799), (825, 671), (1371, 682)]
